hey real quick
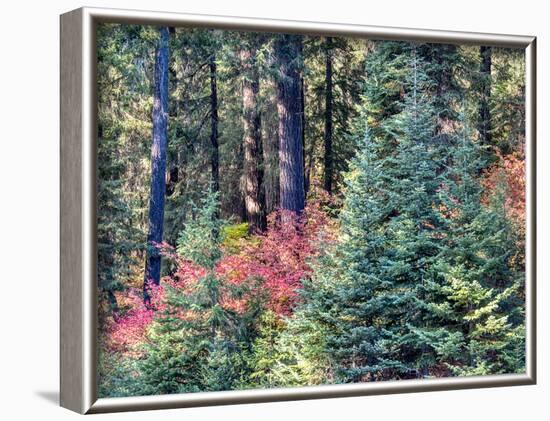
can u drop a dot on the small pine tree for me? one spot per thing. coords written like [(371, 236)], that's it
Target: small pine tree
[(265, 353), (185, 332), (196, 342)]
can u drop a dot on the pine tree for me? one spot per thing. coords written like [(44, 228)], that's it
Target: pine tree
[(119, 231), (386, 68), (481, 283), (254, 189), (178, 347), (117, 237), (265, 353), (332, 83), (370, 295), (196, 343)]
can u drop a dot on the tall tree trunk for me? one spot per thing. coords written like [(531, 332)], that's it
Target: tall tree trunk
[(254, 195), (484, 110), (288, 50), (172, 177), (158, 163), (215, 153), (329, 159), (303, 121)]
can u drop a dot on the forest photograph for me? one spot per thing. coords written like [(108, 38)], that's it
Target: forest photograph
[(278, 210)]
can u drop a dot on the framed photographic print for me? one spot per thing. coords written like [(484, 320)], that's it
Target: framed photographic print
[(256, 210)]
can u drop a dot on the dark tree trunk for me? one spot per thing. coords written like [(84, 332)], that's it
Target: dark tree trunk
[(172, 177), (158, 163), (270, 146), (288, 50), (484, 110), (329, 159), (309, 152), (215, 153), (303, 121), (254, 196)]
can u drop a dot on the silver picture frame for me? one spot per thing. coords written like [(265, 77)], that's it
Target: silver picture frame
[(78, 383)]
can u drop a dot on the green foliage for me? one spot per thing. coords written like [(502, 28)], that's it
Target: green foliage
[(118, 376), (288, 352), (348, 75), (426, 276), (304, 358), (200, 239), (233, 235), (482, 285), (390, 239), (195, 343), (508, 99), (421, 281), (119, 229)]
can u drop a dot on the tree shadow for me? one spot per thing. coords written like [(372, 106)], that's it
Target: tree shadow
[(51, 396)]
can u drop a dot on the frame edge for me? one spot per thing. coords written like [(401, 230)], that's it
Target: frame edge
[(531, 201), (145, 403), (77, 112), (72, 346), (146, 17)]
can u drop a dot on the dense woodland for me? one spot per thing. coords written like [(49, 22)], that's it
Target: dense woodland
[(279, 210)]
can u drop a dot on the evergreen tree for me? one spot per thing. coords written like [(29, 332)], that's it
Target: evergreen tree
[(265, 356), (375, 308), (254, 189), (195, 343), (120, 230), (179, 347), (423, 270), (481, 284)]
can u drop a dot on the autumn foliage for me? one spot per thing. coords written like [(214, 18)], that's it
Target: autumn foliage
[(271, 264), (509, 171)]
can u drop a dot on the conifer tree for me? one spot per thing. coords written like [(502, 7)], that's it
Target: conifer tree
[(288, 50), (179, 348), (481, 283), (120, 234), (370, 295), (206, 348)]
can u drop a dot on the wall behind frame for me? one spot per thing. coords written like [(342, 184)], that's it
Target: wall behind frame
[(29, 174)]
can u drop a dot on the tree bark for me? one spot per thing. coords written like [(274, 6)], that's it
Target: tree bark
[(303, 122), (172, 177), (288, 50), (215, 153), (254, 195), (484, 109), (158, 163), (328, 158)]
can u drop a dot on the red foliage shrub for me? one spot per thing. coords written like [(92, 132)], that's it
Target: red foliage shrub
[(510, 170), (127, 330), (270, 265), (281, 257)]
